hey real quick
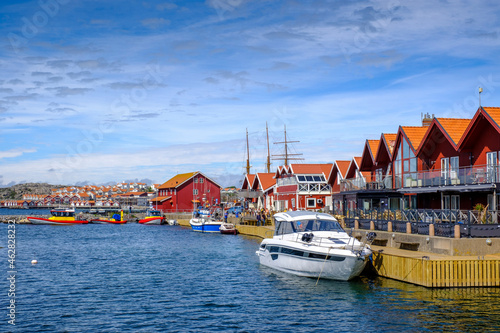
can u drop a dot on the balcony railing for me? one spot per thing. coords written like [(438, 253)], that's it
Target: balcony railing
[(483, 174), (250, 193), (472, 223), (314, 188), (475, 175)]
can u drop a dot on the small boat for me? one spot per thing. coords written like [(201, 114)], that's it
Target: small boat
[(62, 216), (173, 222), (116, 219), (228, 229), (311, 244), (152, 217), (202, 221)]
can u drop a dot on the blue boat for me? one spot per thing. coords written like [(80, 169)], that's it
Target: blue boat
[(203, 221)]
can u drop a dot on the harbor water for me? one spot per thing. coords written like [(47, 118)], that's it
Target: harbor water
[(138, 278)]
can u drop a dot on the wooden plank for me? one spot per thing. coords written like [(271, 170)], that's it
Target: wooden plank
[(476, 273)]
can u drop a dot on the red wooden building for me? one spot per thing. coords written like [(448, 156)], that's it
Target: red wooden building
[(185, 192), (303, 187)]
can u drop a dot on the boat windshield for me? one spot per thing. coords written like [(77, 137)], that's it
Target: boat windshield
[(288, 227), (154, 213), (62, 213)]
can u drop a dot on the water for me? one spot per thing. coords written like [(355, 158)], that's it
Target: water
[(137, 278)]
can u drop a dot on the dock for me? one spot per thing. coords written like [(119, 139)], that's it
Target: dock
[(413, 258)]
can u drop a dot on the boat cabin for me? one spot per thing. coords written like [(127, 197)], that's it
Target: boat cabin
[(63, 213)]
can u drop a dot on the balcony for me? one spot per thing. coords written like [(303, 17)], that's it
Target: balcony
[(250, 194), (356, 184), (476, 175), (315, 188)]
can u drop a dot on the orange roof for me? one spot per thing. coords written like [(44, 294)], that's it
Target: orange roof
[(311, 168), (160, 199), (494, 113), (390, 139), (415, 134), (454, 127), (177, 180), (343, 167), (373, 145), (266, 180)]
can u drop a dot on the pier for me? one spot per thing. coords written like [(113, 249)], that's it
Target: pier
[(413, 259)]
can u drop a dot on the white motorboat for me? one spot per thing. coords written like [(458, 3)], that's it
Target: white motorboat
[(311, 244), (203, 221)]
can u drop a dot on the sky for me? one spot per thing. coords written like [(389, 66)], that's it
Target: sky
[(93, 92)]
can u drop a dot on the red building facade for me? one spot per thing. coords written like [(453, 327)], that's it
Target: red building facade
[(184, 192)]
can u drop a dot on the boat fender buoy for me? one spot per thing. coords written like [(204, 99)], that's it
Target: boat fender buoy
[(307, 237), (34, 262)]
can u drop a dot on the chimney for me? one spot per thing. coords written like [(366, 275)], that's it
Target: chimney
[(427, 119)]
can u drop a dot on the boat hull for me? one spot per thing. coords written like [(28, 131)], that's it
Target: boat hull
[(101, 221), (228, 229), (40, 220), (205, 226), (340, 265), (152, 221)]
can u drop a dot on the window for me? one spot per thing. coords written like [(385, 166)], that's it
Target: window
[(491, 165), (301, 178), (195, 192), (196, 180), (445, 170), (454, 167), (405, 166), (202, 180), (311, 203), (446, 202), (455, 202)]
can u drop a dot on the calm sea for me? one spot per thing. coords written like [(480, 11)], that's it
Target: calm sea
[(137, 278)]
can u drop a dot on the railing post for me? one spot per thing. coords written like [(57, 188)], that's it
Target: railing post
[(356, 222), (389, 226), (457, 230), (372, 225), (408, 227), (431, 230)]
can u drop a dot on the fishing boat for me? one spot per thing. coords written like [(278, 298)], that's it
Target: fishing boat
[(228, 229), (61, 216), (152, 217), (310, 244), (203, 221), (116, 219)]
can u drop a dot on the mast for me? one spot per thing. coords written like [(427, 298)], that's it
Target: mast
[(286, 157), (248, 156), (268, 164)]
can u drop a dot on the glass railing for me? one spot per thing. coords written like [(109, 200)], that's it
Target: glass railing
[(483, 174)]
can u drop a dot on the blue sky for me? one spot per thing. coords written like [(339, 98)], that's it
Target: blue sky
[(100, 91)]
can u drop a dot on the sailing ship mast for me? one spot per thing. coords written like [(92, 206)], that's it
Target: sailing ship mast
[(286, 156), (268, 164), (248, 156)]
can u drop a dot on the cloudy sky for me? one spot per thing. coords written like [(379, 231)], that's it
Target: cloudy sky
[(99, 91)]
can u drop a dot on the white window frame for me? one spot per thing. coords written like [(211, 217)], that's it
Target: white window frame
[(309, 200)]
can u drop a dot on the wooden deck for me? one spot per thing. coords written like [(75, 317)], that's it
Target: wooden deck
[(434, 270)]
